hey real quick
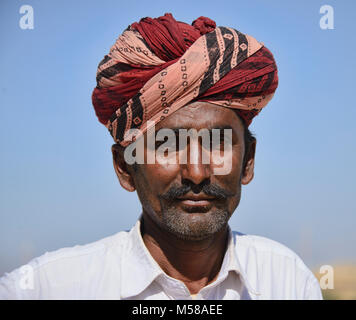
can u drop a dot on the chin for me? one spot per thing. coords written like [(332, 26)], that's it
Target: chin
[(195, 225)]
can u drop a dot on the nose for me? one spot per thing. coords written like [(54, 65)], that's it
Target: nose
[(195, 170), (196, 173)]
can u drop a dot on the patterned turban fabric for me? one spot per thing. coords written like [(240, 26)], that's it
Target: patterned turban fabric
[(158, 66)]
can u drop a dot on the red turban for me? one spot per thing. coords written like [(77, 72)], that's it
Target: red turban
[(158, 66)]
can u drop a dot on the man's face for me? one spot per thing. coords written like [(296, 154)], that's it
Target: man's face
[(188, 199)]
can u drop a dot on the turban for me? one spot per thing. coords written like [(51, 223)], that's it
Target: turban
[(158, 66)]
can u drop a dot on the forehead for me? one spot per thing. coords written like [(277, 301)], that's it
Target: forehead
[(201, 115)]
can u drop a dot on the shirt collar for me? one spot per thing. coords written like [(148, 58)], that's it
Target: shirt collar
[(139, 269), (233, 263)]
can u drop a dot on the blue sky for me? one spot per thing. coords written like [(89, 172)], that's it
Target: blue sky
[(57, 184)]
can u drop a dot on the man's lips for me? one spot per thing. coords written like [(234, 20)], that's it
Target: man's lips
[(196, 200)]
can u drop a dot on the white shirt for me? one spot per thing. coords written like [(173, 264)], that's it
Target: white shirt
[(121, 267)]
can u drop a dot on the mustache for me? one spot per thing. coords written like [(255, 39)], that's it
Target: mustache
[(212, 190)]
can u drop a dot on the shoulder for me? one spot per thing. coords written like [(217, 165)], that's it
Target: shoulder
[(64, 269), (87, 251), (92, 252), (276, 269), (263, 246)]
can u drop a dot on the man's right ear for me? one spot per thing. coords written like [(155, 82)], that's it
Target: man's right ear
[(121, 168)]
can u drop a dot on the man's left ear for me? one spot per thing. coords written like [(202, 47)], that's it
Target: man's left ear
[(248, 171)]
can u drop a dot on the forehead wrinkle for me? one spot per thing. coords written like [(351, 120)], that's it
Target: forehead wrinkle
[(187, 118)]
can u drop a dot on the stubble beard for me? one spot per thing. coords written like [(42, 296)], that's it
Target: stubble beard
[(194, 226)]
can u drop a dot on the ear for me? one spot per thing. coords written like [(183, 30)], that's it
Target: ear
[(121, 168), (248, 171)]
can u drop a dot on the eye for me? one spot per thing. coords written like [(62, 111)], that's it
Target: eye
[(166, 147), (158, 144), (220, 140), (171, 145)]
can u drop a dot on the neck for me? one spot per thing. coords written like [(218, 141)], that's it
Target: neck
[(194, 262)]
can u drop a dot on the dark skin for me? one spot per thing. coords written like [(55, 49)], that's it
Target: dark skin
[(195, 257)]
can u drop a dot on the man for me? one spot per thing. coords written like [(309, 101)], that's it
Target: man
[(172, 95)]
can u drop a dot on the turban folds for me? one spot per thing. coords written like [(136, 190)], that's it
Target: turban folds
[(158, 66)]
